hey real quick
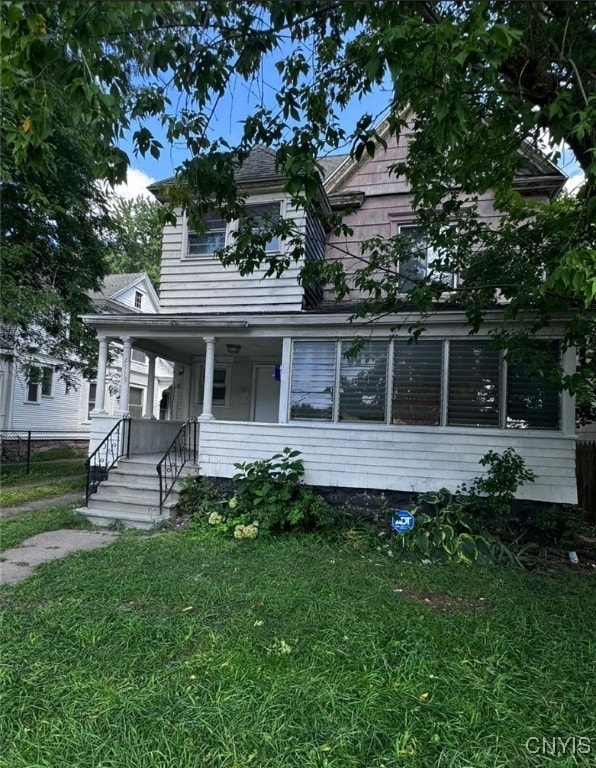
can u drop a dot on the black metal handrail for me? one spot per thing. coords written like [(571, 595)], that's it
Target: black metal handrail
[(114, 446), (183, 448)]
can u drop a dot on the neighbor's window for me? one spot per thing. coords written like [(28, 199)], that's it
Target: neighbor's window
[(39, 383), (91, 398), (313, 380), (209, 241), (138, 300), (261, 214), (533, 403), (139, 357), (474, 384), (363, 382), (422, 262), (417, 379)]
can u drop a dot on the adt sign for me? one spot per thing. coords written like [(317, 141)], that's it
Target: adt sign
[(402, 521)]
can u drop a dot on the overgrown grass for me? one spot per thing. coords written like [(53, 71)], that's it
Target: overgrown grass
[(14, 530), (16, 495), (186, 649), (12, 473)]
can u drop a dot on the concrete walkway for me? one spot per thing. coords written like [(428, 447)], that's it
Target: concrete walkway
[(20, 562)]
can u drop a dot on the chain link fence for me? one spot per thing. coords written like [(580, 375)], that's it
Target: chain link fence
[(42, 452)]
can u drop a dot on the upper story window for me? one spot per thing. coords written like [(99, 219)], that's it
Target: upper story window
[(423, 261), (139, 357), (40, 382), (209, 241), (261, 214), (138, 300), (214, 238)]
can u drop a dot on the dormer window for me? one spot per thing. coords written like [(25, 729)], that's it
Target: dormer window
[(209, 241), (138, 300)]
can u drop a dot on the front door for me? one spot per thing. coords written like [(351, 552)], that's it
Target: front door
[(266, 394)]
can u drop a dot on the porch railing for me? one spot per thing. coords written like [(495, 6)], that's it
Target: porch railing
[(114, 446), (183, 448)]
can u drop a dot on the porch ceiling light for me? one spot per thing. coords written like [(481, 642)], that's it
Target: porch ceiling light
[(233, 349)]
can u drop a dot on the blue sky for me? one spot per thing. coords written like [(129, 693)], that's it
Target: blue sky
[(232, 109)]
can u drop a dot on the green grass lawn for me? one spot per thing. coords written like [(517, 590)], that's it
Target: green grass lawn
[(14, 530), (185, 650), (16, 495)]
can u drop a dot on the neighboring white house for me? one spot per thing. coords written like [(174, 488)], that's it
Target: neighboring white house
[(37, 398), (259, 361)]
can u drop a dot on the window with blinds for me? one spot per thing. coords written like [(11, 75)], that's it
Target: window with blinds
[(417, 374), (207, 242), (474, 384), (533, 403), (363, 382), (313, 380)]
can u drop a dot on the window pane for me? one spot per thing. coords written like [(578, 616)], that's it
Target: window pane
[(264, 213), (313, 380), (47, 378), (363, 379), (92, 394), (532, 403), (214, 238), (414, 269), (135, 402), (33, 384), (417, 382), (138, 356), (473, 384)]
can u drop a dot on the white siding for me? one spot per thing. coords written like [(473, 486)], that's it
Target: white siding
[(202, 285), (60, 411), (389, 458)]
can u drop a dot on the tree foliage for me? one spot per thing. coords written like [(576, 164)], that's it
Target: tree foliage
[(134, 237), (52, 253), (479, 80)]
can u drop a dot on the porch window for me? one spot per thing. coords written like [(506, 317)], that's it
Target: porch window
[(363, 382), (474, 384), (220, 386), (259, 216), (531, 403), (422, 263), (417, 378), (313, 380), (211, 240), (135, 402)]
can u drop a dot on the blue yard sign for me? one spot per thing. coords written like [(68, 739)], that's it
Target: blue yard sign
[(402, 521)]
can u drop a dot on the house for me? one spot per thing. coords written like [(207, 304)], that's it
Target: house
[(35, 397), (259, 364)]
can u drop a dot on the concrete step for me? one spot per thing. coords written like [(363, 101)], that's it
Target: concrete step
[(126, 520), (124, 506)]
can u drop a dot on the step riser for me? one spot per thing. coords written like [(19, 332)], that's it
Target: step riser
[(140, 523), (118, 509), (132, 495)]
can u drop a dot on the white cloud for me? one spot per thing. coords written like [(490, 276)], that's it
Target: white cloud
[(135, 186), (573, 184)]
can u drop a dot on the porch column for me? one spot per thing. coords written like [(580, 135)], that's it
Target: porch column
[(100, 386), (207, 414), (125, 378), (150, 394), (284, 383)]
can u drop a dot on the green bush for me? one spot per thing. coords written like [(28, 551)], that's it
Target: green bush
[(269, 497)]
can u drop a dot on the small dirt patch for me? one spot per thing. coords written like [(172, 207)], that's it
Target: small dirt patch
[(442, 602)]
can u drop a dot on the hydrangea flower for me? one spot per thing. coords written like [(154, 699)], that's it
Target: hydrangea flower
[(215, 518)]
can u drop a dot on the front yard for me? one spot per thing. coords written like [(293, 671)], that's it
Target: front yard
[(189, 650)]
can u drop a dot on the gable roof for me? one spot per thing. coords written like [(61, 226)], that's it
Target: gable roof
[(537, 174), (113, 286)]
